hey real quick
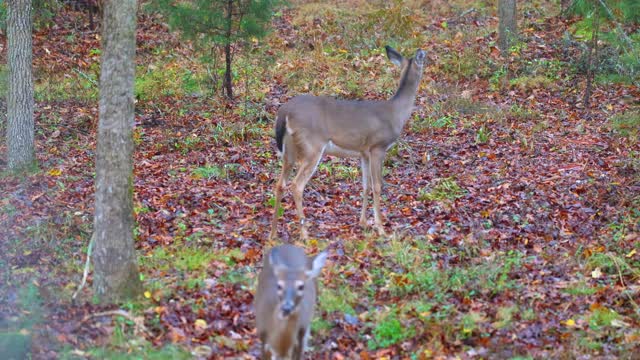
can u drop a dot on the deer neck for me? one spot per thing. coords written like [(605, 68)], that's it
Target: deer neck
[(284, 334), (405, 95)]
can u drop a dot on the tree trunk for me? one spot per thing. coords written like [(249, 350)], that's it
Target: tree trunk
[(228, 83), (593, 51), (564, 6), (508, 27), (116, 274), (20, 123), (227, 52)]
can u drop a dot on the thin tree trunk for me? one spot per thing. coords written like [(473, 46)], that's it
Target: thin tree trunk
[(508, 27), (593, 50), (116, 274), (564, 6), (20, 123), (227, 52)]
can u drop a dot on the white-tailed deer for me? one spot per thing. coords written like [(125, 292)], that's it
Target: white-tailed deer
[(309, 126), (285, 301)]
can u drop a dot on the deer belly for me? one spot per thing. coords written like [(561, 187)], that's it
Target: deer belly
[(335, 150)]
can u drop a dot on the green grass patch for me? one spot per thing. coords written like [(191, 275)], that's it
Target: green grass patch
[(470, 322), (482, 135), (465, 64), (320, 327), (626, 124), (237, 132), (189, 261), (77, 85), (340, 171), (602, 317), (580, 288), (390, 330), (528, 83), (340, 299), (160, 80), (518, 112), (611, 264), (215, 171), (444, 189), (133, 350), (505, 315), (488, 277)]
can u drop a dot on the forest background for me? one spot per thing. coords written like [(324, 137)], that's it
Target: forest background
[(514, 201)]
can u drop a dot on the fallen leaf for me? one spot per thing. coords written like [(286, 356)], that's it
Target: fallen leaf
[(200, 324), (54, 172), (596, 274)]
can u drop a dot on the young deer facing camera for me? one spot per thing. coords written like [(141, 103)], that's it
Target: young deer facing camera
[(285, 301), (309, 126)]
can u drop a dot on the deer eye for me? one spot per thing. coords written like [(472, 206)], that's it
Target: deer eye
[(301, 287), (280, 287)]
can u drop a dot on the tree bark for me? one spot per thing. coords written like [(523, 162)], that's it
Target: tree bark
[(508, 27), (116, 274), (20, 122), (228, 82)]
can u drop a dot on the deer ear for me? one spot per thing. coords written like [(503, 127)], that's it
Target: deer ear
[(394, 56), (273, 257), (278, 269), (420, 55), (317, 264)]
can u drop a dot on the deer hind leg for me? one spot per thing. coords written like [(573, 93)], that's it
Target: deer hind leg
[(309, 160), (287, 166), (376, 161), (366, 180)]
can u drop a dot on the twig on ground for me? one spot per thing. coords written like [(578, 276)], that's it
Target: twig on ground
[(86, 268), (137, 321)]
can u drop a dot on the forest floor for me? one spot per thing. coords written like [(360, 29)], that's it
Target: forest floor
[(514, 210)]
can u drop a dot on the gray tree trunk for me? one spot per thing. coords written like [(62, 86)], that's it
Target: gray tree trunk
[(20, 123), (508, 27), (116, 274)]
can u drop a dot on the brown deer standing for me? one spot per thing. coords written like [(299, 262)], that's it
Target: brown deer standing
[(285, 301), (309, 126)]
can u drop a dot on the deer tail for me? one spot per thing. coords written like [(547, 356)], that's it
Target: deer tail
[(281, 129)]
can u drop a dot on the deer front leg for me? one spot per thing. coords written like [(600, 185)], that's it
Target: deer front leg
[(307, 168), (265, 354), (377, 159), (298, 350), (366, 179)]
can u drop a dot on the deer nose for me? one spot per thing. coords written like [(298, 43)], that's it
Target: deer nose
[(287, 308)]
